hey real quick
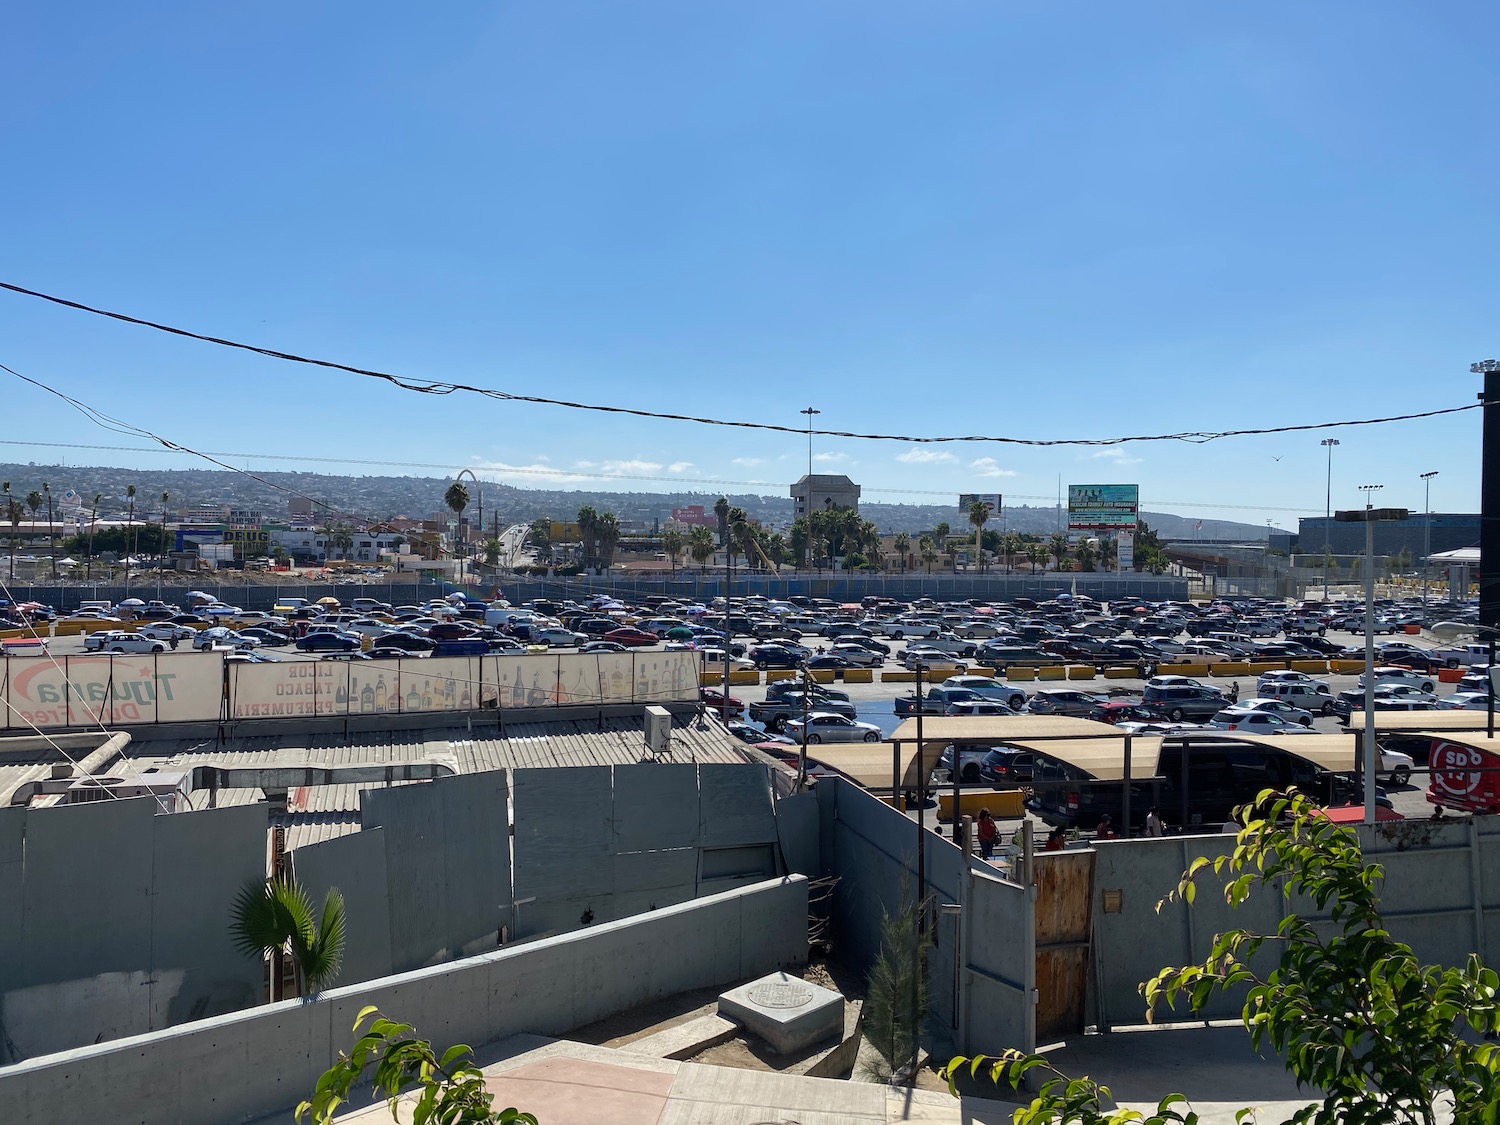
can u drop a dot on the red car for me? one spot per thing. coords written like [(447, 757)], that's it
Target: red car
[(631, 637), (714, 701)]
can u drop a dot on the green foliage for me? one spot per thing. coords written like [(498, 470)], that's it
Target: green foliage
[(1064, 1100), (147, 538), (277, 914), (452, 1087), (1349, 1008), (896, 1000)]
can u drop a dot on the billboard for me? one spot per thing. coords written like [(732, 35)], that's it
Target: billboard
[(84, 691), (988, 499), (1103, 507)]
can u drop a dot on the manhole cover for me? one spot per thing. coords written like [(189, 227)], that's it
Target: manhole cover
[(780, 994)]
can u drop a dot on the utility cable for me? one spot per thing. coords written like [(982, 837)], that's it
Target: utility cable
[(431, 387)]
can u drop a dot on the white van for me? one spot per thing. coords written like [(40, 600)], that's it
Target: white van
[(1310, 695)]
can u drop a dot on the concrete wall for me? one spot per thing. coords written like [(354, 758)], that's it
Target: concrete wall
[(1441, 896), (249, 1064), (116, 920)]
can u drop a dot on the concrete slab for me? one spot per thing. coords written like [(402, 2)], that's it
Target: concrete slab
[(789, 1013), (684, 1040), (564, 1091), (710, 1095)]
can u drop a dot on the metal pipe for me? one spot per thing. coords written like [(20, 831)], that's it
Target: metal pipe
[(1367, 760), (1328, 444)]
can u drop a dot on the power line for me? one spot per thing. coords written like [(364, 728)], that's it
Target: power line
[(432, 387)]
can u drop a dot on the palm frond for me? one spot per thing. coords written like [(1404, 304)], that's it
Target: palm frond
[(260, 921), (324, 956)]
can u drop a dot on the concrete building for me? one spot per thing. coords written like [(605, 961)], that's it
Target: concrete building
[(820, 491), (1450, 531)]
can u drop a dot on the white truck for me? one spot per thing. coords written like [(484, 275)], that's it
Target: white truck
[(1463, 655), (900, 630)]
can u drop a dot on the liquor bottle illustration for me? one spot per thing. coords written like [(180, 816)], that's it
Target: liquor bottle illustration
[(537, 696), (465, 698), (414, 697), (616, 684), (426, 694), (367, 698), (582, 692), (642, 687), (518, 691), (381, 698)]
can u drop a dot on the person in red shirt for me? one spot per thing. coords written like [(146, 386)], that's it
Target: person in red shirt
[(1105, 830), (988, 832)]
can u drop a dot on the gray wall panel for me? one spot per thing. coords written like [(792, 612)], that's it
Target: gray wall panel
[(355, 864), (648, 871), (655, 807), (201, 861), (797, 829), (736, 805), (12, 882), (563, 833)]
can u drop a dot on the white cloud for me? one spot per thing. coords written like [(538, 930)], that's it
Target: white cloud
[(924, 456), (748, 462), (534, 475), (622, 468), (830, 457), (679, 466), (1116, 455), (989, 467)]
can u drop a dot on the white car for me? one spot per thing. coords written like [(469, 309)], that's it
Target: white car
[(857, 654), (1277, 707), (554, 636), (1395, 765), (1465, 701), (900, 630), (990, 688), (1285, 677), (1404, 691), (1394, 675), (113, 640), (166, 631), (1250, 721), (824, 726), (978, 707), (206, 639)]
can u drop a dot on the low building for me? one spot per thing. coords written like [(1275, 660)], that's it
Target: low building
[(818, 492)]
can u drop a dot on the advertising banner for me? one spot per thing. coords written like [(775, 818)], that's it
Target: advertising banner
[(87, 691), (293, 688), (1103, 507), (991, 500), (1125, 548)]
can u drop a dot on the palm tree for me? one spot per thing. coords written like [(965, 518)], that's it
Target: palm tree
[(1010, 547), (721, 509), (129, 530), (12, 513), (701, 546), (1036, 555), (88, 574), (1109, 554), (51, 528), (588, 533), (1086, 552), (928, 550), (1057, 547), (457, 498), (609, 536), (742, 535), (799, 539), (902, 543), (979, 515), (672, 542), (275, 917), (164, 499)]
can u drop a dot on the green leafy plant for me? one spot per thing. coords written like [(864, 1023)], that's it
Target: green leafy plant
[(1351, 1010), (276, 916), (1063, 1099), (452, 1089)]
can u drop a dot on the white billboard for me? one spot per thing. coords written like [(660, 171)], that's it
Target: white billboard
[(1103, 507), (115, 691)]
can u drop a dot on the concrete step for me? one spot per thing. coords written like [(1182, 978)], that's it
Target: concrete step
[(684, 1040)]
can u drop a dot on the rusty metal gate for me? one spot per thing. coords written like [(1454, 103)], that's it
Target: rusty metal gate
[(1064, 924)]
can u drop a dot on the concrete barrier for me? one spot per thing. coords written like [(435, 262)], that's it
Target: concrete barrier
[(1260, 667), (774, 674), (1183, 668), (823, 675), (1082, 671), (898, 677), (1006, 805), (1017, 674), (262, 1061), (1311, 667), (980, 670), (1052, 672), (1230, 668), (1124, 673), (859, 675), (1348, 667), (745, 677)]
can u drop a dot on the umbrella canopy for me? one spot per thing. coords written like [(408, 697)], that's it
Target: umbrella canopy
[(132, 601), (679, 633), (200, 595), (67, 562), (458, 596), (329, 601)]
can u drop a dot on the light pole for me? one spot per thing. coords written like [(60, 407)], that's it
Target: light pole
[(1369, 743), (807, 504), (1426, 532), (1328, 444)]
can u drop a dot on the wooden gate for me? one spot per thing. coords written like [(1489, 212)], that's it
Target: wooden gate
[(1064, 917)]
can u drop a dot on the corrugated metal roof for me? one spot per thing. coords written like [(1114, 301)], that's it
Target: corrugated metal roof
[(1422, 720), (869, 763), (1000, 728), (13, 777), (1101, 758)]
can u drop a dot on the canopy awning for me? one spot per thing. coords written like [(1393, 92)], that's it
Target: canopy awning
[(1001, 728), (1101, 758), (1407, 721)]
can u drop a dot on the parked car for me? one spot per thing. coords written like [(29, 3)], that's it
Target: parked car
[(1006, 766), (715, 700), (1062, 701), (1465, 701), (773, 656), (1183, 701), (206, 639), (1396, 675), (602, 646), (989, 688), (556, 637), (407, 642), (1248, 720), (970, 762), (824, 726), (631, 637), (857, 655), (166, 631), (114, 640), (330, 642), (1277, 707)]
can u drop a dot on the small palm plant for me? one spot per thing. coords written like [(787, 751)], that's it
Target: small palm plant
[(276, 916)]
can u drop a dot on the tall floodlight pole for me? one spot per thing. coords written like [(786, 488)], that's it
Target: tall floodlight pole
[(1328, 444), (1369, 742), (1426, 532), (1489, 494), (810, 412)]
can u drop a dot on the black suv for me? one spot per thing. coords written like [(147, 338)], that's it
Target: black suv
[(1185, 702)]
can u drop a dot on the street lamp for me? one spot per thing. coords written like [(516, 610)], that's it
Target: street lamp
[(1427, 532), (807, 504), (1328, 444)]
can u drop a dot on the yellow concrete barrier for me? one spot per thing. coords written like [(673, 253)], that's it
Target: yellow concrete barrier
[(1082, 671), (859, 675), (1311, 667), (708, 679), (979, 671), (1183, 668), (822, 675), (1230, 668), (1007, 805), (898, 677), (67, 628), (1121, 673), (774, 674), (1348, 667), (745, 677), (1017, 673), (1260, 667), (1054, 672)]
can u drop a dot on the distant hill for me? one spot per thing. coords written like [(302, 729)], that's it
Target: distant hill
[(380, 497)]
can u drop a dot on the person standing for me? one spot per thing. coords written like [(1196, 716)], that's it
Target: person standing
[(1104, 830), (988, 832), (1153, 822)]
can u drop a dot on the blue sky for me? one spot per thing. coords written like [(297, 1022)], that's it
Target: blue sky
[(1023, 219)]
